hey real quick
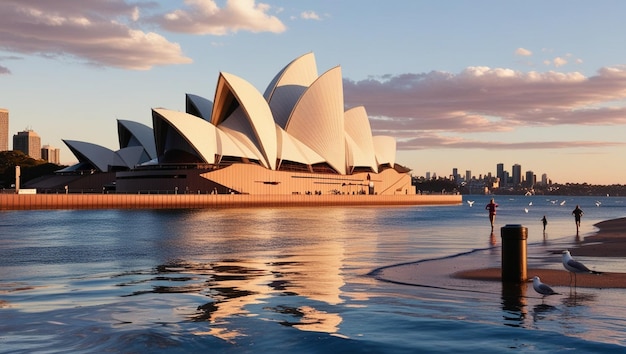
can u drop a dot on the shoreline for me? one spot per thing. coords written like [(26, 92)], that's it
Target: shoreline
[(464, 270), (199, 201)]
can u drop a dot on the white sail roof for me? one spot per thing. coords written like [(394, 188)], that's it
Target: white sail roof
[(299, 118), (255, 111), (199, 133), (361, 149), (198, 106), (136, 134), (318, 120), (98, 156), (289, 84), (385, 147)]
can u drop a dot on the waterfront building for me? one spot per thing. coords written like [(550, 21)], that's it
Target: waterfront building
[(295, 138), (28, 142), (4, 129)]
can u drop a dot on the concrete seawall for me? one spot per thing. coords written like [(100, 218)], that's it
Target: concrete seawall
[(190, 201)]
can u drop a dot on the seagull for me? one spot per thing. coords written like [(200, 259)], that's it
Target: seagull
[(526, 210), (542, 288), (573, 266), (598, 203), (531, 203), (562, 203), (470, 202)]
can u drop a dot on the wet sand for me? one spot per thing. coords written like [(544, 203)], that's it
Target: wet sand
[(465, 270)]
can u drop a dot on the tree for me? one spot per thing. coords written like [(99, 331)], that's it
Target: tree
[(29, 168)]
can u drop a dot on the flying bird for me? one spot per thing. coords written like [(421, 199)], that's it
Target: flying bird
[(562, 203), (542, 288), (526, 210), (598, 203), (470, 202), (531, 203), (573, 266)]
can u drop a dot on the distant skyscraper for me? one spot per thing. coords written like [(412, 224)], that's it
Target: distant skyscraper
[(505, 180), (500, 173), (517, 175), (4, 129), (427, 175), (29, 143), (51, 154), (468, 175), (544, 179), (530, 178), (455, 174)]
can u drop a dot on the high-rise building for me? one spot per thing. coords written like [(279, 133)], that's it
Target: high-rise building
[(4, 129), (51, 154), (530, 178), (468, 176), (517, 175), (500, 173), (28, 142), (544, 179)]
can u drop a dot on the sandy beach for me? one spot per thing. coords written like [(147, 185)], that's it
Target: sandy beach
[(465, 270)]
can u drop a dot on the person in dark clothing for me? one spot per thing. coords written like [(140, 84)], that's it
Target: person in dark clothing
[(578, 213), (492, 211)]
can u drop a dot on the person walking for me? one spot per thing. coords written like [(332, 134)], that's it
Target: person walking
[(545, 222), (492, 211), (578, 213)]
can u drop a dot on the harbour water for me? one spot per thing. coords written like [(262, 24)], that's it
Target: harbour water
[(288, 280)]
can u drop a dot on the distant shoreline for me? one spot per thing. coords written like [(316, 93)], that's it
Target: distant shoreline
[(199, 201)]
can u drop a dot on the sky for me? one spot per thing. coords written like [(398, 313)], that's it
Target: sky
[(459, 84)]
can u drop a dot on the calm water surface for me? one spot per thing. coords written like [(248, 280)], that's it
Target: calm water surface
[(289, 280)]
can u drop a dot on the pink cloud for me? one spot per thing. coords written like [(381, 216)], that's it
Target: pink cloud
[(206, 17), (425, 140), (483, 100), (94, 31), (418, 108)]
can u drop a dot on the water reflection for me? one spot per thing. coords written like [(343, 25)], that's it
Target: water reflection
[(514, 303), (232, 286), (576, 298), (540, 311)]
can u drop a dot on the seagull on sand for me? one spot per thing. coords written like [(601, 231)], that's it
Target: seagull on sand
[(573, 266), (542, 288)]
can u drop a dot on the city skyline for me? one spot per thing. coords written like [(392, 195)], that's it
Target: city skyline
[(538, 83), (517, 177)]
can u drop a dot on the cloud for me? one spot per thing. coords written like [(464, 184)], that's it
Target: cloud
[(98, 32), (431, 140), (4, 70), (558, 61), (310, 15), (523, 52), (206, 17), (482, 99)]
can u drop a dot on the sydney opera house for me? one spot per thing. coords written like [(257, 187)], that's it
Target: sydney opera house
[(295, 138)]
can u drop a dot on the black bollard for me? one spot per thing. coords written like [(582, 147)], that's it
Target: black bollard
[(514, 253)]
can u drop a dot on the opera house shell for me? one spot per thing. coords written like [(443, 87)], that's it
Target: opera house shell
[(295, 138)]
